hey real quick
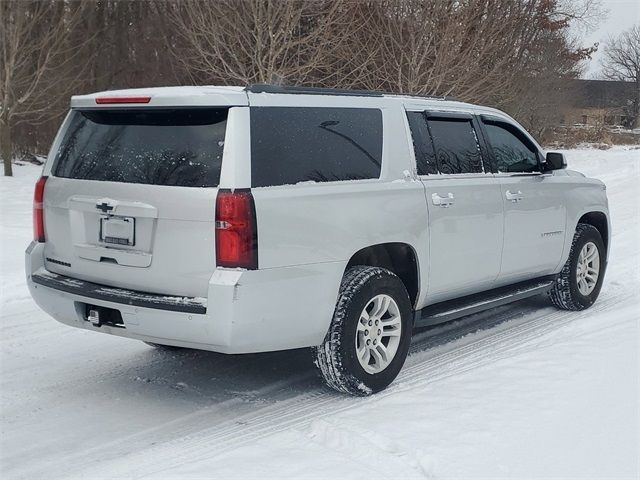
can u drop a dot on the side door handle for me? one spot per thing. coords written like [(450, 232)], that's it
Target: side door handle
[(514, 196), (443, 201)]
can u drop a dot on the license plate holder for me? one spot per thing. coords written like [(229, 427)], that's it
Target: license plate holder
[(117, 230)]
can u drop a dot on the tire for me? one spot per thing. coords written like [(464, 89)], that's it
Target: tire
[(364, 292), (566, 292)]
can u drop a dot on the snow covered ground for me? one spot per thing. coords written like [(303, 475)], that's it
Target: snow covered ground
[(520, 391)]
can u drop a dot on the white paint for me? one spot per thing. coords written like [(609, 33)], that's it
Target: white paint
[(307, 232)]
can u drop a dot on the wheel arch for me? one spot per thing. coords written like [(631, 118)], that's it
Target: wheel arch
[(600, 221), (399, 258)]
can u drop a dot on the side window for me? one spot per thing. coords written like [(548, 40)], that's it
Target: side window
[(297, 144), (456, 145), (422, 145), (513, 151)]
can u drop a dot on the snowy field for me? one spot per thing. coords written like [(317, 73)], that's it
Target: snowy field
[(520, 391)]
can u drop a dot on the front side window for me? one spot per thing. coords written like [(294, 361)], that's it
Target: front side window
[(513, 151), (456, 145), (181, 147), (290, 145)]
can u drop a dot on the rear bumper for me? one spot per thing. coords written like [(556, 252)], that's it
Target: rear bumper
[(123, 296), (244, 312)]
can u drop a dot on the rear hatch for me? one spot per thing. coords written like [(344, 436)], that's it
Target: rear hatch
[(130, 201)]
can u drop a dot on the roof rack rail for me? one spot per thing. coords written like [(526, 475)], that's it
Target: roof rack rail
[(295, 90)]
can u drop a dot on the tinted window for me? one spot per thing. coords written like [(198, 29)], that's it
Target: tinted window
[(456, 144), (422, 145), (160, 147), (513, 151), (293, 144)]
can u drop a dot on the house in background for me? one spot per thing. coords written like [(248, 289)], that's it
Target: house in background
[(598, 103)]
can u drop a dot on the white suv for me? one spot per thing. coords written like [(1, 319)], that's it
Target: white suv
[(269, 218)]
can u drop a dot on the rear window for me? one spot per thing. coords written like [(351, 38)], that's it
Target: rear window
[(181, 147), (298, 144)]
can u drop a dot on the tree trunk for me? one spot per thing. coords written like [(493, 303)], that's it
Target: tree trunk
[(6, 148), (636, 107)]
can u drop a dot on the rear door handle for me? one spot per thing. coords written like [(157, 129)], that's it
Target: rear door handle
[(443, 201), (514, 196)]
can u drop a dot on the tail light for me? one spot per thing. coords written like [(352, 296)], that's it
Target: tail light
[(236, 232), (38, 210)]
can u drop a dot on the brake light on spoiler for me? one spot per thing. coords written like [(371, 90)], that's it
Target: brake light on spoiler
[(120, 100), (236, 230)]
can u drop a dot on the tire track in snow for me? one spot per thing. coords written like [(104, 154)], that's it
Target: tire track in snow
[(495, 335)]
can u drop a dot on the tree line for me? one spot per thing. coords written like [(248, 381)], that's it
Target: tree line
[(512, 54)]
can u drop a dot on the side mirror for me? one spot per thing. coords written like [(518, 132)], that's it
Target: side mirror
[(555, 161)]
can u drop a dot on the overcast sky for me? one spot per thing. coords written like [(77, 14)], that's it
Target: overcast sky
[(622, 14)]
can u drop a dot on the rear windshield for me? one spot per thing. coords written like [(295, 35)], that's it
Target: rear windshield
[(303, 144), (181, 147)]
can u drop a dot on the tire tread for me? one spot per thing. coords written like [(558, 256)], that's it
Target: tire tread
[(560, 294), (328, 357)]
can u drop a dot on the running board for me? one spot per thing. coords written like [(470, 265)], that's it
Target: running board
[(461, 307)]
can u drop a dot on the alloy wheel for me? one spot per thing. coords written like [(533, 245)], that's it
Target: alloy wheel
[(588, 268), (378, 333)]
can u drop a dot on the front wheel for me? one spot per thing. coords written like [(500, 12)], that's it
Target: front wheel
[(578, 284), (370, 333)]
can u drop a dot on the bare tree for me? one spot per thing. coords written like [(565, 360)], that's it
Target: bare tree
[(622, 62), (253, 41), (37, 63), (440, 47), (507, 53), (502, 52), (127, 46), (478, 50)]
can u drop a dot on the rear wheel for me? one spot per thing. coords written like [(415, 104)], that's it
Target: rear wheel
[(370, 333), (578, 285)]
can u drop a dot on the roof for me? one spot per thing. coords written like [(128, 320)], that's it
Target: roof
[(166, 96), (221, 95), (293, 90), (267, 95), (271, 95)]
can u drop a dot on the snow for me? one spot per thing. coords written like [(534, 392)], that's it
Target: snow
[(521, 391)]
